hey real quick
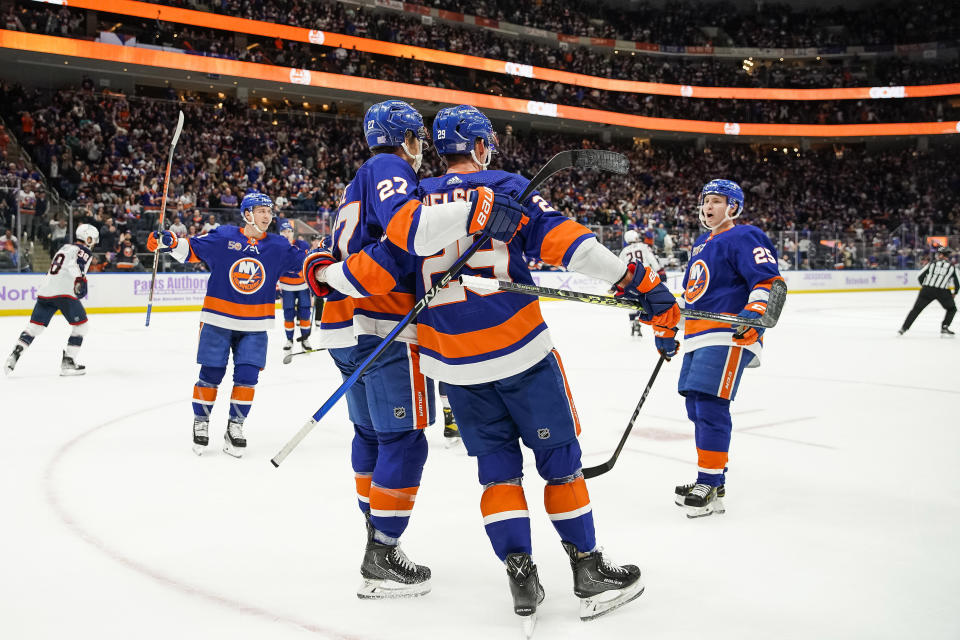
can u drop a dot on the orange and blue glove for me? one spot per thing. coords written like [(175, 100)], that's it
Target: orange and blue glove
[(313, 266), (498, 216), (664, 339), (642, 284), (745, 335), (164, 240)]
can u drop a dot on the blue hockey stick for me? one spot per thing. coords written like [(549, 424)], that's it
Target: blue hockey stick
[(582, 158)]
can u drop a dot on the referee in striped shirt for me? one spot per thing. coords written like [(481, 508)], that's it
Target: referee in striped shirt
[(936, 279)]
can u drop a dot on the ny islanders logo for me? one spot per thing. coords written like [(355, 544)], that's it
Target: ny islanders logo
[(247, 275), (698, 282)]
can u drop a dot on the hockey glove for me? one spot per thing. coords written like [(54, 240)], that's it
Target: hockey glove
[(499, 217), (746, 336), (664, 340), (80, 287), (642, 284), (164, 240), (313, 267)]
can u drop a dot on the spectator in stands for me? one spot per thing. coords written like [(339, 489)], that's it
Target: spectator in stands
[(177, 228), (9, 247), (58, 234), (27, 206), (227, 199), (211, 223)]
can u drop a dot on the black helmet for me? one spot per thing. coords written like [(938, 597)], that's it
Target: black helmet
[(944, 251)]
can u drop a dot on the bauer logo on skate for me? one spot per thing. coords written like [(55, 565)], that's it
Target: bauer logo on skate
[(246, 275), (698, 282)]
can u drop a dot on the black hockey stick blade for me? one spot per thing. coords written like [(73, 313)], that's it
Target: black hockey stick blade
[(599, 159), (600, 469), (778, 297)]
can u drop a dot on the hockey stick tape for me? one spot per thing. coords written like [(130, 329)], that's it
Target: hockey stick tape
[(474, 282)]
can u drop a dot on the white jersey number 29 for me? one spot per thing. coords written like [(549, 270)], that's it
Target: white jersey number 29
[(762, 255)]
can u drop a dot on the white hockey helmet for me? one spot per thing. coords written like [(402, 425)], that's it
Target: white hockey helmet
[(88, 233), (631, 236)]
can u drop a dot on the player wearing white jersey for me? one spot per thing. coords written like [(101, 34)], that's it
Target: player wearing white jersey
[(637, 251), (65, 284)]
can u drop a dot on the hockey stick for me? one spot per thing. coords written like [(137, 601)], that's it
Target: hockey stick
[(778, 295), (163, 210), (287, 359), (600, 469), (582, 158)]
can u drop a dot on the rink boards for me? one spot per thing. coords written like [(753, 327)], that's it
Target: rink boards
[(128, 292)]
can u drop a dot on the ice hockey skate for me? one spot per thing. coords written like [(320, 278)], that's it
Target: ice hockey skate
[(201, 437), (305, 343), (601, 585), (704, 500), (69, 367), (946, 333), (526, 590), (11, 362), (388, 573), (234, 443), (287, 347), (681, 492), (451, 433)]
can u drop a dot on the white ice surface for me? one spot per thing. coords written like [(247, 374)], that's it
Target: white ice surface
[(843, 519)]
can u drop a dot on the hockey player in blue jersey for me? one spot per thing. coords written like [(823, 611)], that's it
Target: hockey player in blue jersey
[(505, 380), (731, 270), (245, 264), (392, 401), (294, 294)]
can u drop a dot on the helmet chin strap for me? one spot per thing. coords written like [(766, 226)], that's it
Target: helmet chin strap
[(726, 217), (488, 157), (417, 158)]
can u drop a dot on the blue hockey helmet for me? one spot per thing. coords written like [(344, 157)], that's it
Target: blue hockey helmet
[(456, 129), (254, 199), (284, 224), (731, 191), (386, 124), (727, 188)]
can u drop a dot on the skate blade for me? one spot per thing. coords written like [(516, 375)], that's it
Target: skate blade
[(373, 589), (603, 603), (527, 626), (73, 372), (199, 448), (229, 449), (452, 443), (715, 507)]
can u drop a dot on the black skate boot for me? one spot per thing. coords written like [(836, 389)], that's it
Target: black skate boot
[(201, 430), (69, 367), (703, 500), (234, 442), (681, 492), (451, 432), (388, 573), (11, 362), (601, 585), (946, 333), (526, 590)]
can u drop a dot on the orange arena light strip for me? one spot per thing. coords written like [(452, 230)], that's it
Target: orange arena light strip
[(285, 75), (300, 34)]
